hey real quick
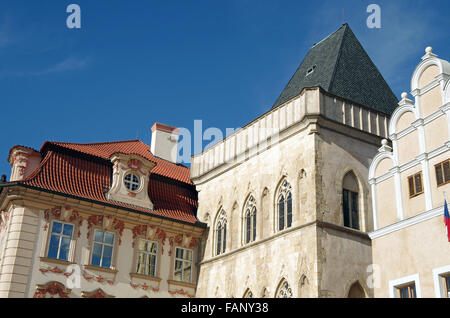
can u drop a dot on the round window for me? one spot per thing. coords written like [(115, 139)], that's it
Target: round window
[(132, 182)]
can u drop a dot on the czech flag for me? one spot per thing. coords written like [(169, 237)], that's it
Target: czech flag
[(447, 219)]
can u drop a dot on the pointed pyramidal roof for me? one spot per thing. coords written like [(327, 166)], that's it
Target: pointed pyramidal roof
[(341, 66)]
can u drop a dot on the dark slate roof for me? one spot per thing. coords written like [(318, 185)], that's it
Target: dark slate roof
[(342, 68)]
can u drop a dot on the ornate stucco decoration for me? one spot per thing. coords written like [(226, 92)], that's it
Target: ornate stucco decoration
[(98, 293), (144, 287), (52, 289), (183, 240), (149, 232), (65, 214), (180, 292), (107, 222), (123, 166), (97, 278), (55, 270), (23, 160)]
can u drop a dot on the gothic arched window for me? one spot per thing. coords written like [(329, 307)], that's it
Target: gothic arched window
[(250, 220), (221, 233), (284, 290), (284, 206), (350, 201)]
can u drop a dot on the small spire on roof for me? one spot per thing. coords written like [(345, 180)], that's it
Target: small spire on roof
[(428, 53), (405, 100)]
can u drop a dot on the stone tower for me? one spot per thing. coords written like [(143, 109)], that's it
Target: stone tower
[(286, 197)]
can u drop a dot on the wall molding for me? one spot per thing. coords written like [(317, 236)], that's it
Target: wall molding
[(424, 216)]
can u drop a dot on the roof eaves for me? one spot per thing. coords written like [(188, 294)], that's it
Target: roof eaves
[(20, 184)]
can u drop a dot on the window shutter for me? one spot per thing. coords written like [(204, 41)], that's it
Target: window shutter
[(411, 186), (446, 168), (418, 182), (439, 176)]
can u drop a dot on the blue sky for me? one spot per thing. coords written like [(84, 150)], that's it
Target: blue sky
[(137, 62)]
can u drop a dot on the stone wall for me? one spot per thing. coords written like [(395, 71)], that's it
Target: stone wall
[(317, 138)]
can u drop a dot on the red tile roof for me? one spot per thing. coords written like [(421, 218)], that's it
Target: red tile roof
[(106, 149), (66, 172)]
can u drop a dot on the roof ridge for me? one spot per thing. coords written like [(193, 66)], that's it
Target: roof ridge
[(97, 143)]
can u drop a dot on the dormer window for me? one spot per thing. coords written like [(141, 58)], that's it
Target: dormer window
[(132, 182), (309, 71)]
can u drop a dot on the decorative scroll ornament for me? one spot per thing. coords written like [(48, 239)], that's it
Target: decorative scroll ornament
[(66, 214), (98, 279), (149, 232), (135, 165), (144, 286), (55, 270), (98, 293), (107, 223), (181, 292), (184, 240), (52, 289)]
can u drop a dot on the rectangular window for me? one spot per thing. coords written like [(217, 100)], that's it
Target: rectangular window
[(415, 185), (350, 207), (60, 238), (446, 283), (183, 265), (442, 172), (146, 258), (102, 249), (407, 291)]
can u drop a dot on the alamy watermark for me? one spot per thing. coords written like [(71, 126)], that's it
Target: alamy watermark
[(374, 19), (73, 21)]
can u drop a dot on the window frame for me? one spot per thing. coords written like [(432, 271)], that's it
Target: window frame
[(439, 275), (415, 194), (351, 211), (113, 253), (284, 192), (404, 281), (71, 245), (250, 211), (156, 254), (441, 166), (139, 182), (410, 288), (220, 239), (284, 288), (175, 259)]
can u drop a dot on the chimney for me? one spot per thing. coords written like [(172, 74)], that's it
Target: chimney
[(165, 142)]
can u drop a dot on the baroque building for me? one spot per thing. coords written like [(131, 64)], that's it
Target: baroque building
[(409, 181), (286, 197), (300, 202), (113, 219)]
